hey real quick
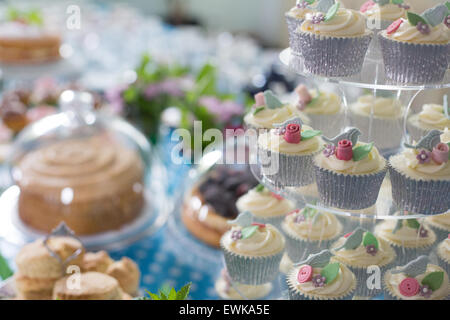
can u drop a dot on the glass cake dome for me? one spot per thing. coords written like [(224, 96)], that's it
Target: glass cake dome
[(83, 167)]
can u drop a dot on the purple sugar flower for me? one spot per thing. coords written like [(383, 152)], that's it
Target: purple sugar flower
[(281, 131), (318, 280), (404, 6), (329, 150), (302, 4), (425, 291), (299, 219), (371, 249), (424, 156), (423, 28), (423, 233), (447, 21), (236, 235), (317, 18)]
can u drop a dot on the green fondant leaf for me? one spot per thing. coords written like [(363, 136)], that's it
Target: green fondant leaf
[(435, 15), (309, 1), (397, 1), (362, 152), (259, 188), (247, 232), (413, 223), (370, 239), (5, 270), (330, 272), (332, 11), (308, 134), (257, 110), (381, 2), (415, 18), (324, 5), (272, 101), (434, 280)]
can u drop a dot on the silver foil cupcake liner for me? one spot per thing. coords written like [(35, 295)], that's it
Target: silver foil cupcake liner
[(440, 231), (299, 250), (405, 255), (350, 192), (387, 134), (329, 124), (252, 270), (406, 62), (286, 170), (419, 196), (294, 43), (333, 56)]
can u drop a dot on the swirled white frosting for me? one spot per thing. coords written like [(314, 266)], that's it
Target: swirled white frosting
[(405, 236), (378, 106), (299, 13), (324, 227), (339, 287), (264, 242), (407, 163), (444, 250), (374, 162), (346, 23), (439, 34), (263, 204), (266, 118), (327, 103), (275, 142), (360, 258), (442, 221), (431, 117), (393, 281), (390, 12), (445, 137)]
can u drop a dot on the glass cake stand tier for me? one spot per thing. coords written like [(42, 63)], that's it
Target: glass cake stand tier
[(372, 75), (383, 209)]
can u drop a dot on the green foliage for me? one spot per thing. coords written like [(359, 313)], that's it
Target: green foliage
[(32, 16), (5, 270), (166, 293)]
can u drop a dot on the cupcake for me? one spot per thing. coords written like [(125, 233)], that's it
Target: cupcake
[(443, 253), (360, 250), (228, 290), (349, 173), (287, 153), (380, 119), (380, 15), (416, 49), (408, 237), (432, 116), (420, 176), (324, 109), (252, 251), (265, 206), (294, 18), (417, 280), (334, 40), (309, 230), (269, 110), (321, 278), (440, 224)]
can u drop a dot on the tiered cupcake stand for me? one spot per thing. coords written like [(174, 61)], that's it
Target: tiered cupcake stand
[(371, 78)]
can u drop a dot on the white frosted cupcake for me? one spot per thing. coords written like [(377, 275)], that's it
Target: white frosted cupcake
[(264, 205), (349, 173), (431, 117), (420, 176), (321, 278), (417, 280), (294, 18), (440, 224), (323, 108), (286, 153), (252, 251), (334, 40), (269, 110), (359, 250), (237, 291), (443, 253), (384, 117), (408, 237), (309, 230), (415, 50)]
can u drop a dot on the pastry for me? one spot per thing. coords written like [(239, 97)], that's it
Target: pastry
[(92, 184), (212, 202), (96, 261), (127, 273), (415, 50)]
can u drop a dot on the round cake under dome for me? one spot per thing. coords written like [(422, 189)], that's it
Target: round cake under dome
[(80, 166)]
